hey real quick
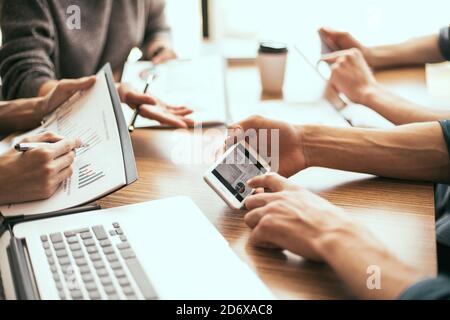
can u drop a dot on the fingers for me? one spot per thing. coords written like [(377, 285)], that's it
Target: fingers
[(332, 33), (342, 56), (159, 114), (163, 56), (43, 137), (190, 123), (64, 146), (254, 217), (265, 233), (235, 134), (246, 129), (272, 181), (64, 174), (180, 111), (258, 200), (64, 161), (64, 90), (69, 85), (259, 190), (334, 57), (134, 99)]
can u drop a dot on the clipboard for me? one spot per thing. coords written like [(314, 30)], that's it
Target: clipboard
[(129, 164)]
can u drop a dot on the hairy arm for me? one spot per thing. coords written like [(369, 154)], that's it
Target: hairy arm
[(399, 110), (20, 115), (28, 45), (412, 152), (413, 52)]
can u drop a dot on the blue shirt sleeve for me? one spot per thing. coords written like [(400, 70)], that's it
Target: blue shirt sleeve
[(430, 289), (444, 42), (445, 124)]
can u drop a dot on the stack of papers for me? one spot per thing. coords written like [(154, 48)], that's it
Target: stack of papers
[(197, 83)]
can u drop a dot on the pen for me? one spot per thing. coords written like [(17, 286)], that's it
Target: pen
[(132, 125), (23, 147)]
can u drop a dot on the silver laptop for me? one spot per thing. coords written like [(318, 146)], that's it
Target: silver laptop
[(165, 249)]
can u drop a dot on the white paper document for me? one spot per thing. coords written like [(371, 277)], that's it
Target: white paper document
[(197, 83), (99, 168)]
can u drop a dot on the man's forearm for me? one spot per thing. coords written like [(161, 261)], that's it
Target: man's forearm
[(20, 115), (398, 110), (411, 152), (338, 248), (413, 52)]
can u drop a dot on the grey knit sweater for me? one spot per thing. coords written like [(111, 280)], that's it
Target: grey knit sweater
[(41, 39)]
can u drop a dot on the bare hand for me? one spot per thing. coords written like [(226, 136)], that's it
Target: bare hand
[(344, 41), (290, 217), (160, 51), (154, 109), (280, 141), (63, 90), (351, 75), (38, 173)]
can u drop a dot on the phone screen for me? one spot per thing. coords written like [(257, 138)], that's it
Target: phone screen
[(236, 169)]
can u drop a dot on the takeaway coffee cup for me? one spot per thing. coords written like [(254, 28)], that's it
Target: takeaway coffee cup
[(272, 57)]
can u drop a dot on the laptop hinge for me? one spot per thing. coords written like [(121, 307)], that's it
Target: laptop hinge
[(22, 276)]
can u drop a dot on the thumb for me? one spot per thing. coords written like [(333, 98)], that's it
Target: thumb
[(271, 181), (43, 137), (65, 89), (70, 85), (330, 33), (331, 58)]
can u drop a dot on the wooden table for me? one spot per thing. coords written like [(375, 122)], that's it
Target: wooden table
[(401, 214)]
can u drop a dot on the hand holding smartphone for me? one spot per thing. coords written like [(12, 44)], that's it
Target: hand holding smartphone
[(229, 176)]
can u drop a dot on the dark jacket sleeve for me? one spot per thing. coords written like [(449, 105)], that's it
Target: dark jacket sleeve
[(431, 289), (156, 22), (444, 42), (28, 44), (445, 124)]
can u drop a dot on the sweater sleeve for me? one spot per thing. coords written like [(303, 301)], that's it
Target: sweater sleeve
[(28, 45), (156, 22), (444, 42)]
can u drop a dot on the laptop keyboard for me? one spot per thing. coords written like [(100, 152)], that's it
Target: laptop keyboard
[(93, 263)]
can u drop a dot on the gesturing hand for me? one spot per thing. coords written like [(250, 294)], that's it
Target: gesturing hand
[(153, 109), (351, 75), (63, 90), (345, 41)]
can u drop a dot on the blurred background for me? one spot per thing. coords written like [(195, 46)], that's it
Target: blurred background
[(237, 25)]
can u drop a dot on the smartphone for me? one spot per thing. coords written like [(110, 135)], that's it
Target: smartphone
[(229, 176)]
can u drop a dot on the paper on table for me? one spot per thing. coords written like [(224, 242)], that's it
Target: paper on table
[(438, 83), (88, 115), (320, 113), (196, 83)]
